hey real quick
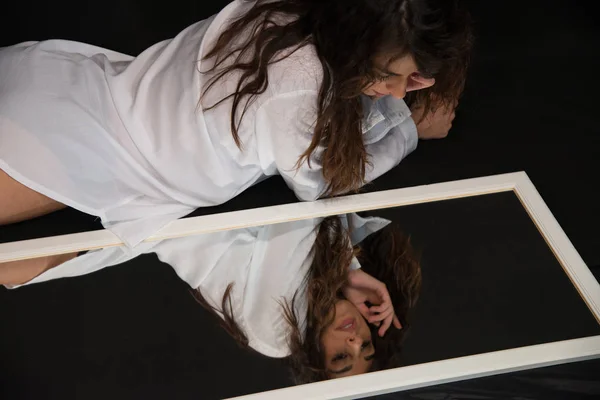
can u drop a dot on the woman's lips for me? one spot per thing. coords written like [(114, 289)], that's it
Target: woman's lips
[(347, 325)]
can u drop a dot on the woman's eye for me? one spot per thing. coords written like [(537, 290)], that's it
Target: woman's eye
[(339, 357), (366, 344), (382, 78)]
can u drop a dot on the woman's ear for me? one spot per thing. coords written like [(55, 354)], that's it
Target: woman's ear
[(418, 82)]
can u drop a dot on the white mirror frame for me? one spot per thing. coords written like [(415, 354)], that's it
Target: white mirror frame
[(398, 379)]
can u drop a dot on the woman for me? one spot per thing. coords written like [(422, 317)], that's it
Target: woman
[(296, 289), (311, 90)]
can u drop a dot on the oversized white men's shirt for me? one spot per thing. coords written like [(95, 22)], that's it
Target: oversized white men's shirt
[(129, 140)]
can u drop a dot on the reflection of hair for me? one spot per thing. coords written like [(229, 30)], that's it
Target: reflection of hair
[(224, 315), (347, 36), (327, 276), (386, 255)]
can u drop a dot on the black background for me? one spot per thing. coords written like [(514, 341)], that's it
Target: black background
[(134, 331)]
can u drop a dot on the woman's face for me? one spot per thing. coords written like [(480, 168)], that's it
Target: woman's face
[(400, 76), (347, 342)]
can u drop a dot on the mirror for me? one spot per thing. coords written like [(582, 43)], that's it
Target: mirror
[(489, 282)]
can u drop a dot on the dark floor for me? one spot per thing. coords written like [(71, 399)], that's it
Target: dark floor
[(530, 104)]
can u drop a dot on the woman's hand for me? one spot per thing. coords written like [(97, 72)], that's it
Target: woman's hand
[(436, 124), (363, 288)]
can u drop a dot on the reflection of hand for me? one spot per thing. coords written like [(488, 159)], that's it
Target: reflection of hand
[(436, 124), (363, 288)]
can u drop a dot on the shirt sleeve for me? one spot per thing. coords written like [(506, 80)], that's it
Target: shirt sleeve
[(222, 254), (278, 267), (354, 264), (386, 152), (284, 130)]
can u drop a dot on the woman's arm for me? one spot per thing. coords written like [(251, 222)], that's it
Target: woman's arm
[(284, 126), (436, 124), (387, 153)]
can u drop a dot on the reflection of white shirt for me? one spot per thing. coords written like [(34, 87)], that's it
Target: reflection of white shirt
[(266, 264), (122, 138)]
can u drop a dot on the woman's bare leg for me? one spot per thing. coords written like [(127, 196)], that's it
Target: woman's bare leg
[(19, 272), (19, 203)]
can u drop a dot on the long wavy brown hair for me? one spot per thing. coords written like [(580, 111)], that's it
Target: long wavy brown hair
[(386, 255), (347, 35)]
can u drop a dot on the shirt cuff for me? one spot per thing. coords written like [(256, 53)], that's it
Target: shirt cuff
[(354, 264), (411, 136)]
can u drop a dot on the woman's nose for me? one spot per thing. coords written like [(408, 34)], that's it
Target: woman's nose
[(355, 342), (397, 90)]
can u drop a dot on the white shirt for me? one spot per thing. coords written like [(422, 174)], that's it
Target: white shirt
[(123, 138), (266, 264)]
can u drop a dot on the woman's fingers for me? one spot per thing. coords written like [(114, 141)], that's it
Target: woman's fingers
[(380, 308), (397, 323), (385, 320), (385, 325), (379, 317), (382, 314), (364, 310)]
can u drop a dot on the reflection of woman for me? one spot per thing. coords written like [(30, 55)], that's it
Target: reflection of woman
[(310, 90), (318, 314), (329, 347), (276, 288)]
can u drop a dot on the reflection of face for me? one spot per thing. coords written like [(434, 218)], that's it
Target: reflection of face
[(399, 76), (347, 342)]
